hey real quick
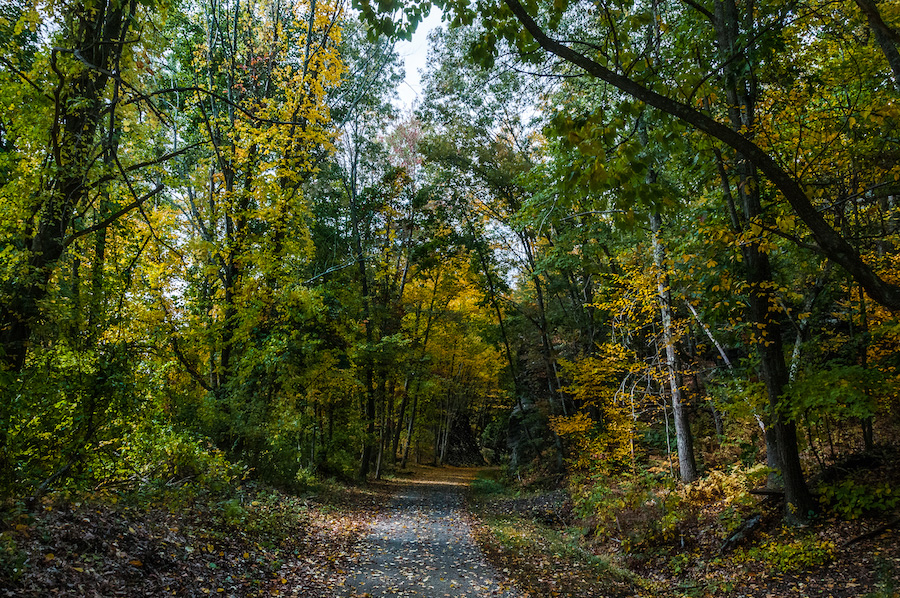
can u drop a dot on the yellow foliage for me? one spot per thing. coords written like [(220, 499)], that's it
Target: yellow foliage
[(606, 443), (730, 487)]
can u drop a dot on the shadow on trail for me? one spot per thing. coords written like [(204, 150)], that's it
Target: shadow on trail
[(422, 546)]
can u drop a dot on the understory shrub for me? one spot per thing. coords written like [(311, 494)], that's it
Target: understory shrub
[(651, 509), (851, 499), (796, 555), (160, 452)]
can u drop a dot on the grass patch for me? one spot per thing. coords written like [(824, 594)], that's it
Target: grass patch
[(547, 562), (487, 487)]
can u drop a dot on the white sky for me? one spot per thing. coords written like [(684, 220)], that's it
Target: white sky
[(415, 55)]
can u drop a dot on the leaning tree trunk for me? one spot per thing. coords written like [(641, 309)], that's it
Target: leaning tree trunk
[(830, 241), (887, 38)]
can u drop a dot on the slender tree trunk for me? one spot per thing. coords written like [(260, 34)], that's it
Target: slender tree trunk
[(687, 464), (513, 370), (395, 440), (866, 423), (365, 462), (553, 383), (409, 430), (684, 439), (385, 418), (445, 441)]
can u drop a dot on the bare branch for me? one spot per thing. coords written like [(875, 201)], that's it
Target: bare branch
[(106, 222)]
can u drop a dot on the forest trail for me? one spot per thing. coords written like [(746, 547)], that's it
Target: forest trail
[(422, 545)]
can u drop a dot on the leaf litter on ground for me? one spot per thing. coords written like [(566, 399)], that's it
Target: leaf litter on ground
[(256, 542)]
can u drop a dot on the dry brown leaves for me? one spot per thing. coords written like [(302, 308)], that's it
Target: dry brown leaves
[(297, 547)]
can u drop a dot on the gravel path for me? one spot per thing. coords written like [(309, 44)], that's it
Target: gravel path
[(421, 545)]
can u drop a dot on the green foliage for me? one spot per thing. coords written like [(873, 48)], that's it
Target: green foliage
[(341, 460), (841, 392), (852, 499), (887, 579), (233, 512), (165, 453), (12, 558), (640, 510), (269, 516), (648, 510), (259, 303), (680, 563), (69, 411), (306, 480), (487, 486), (794, 555), (739, 396)]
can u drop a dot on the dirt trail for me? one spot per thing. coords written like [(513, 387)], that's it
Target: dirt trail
[(421, 545)]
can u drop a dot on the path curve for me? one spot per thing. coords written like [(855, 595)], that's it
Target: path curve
[(421, 545)]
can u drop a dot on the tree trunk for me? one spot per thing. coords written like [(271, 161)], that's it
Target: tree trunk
[(868, 433), (513, 370), (395, 440), (409, 431), (741, 94), (99, 34), (886, 37), (365, 461), (684, 440)]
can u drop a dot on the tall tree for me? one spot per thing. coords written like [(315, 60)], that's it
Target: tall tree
[(528, 27)]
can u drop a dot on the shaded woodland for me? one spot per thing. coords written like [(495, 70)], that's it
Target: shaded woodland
[(629, 248)]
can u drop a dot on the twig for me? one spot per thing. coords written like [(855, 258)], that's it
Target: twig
[(108, 221), (767, 492), (872, 533)]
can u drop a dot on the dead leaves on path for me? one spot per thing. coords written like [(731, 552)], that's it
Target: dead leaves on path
[(421, 546)]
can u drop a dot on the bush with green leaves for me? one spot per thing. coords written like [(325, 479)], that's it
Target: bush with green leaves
[(851, 499), (305, 479), (61, 415), (842, 392), (12, 558), (650, 509), (161, 452), (640, 509), (801, 554)]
